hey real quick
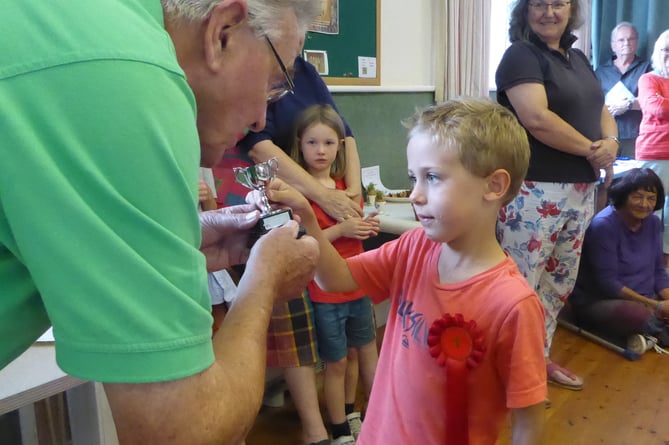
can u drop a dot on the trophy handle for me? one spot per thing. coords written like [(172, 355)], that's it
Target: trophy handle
[(273, 164)]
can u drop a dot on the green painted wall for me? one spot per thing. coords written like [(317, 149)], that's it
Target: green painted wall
[(375, 119)]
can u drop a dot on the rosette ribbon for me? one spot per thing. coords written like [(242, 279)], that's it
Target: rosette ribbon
[(458, 346)]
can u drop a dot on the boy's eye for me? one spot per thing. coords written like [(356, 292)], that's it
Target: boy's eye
[(412, 179), (431, 178)]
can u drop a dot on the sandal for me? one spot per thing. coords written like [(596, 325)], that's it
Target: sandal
[(559, 376)]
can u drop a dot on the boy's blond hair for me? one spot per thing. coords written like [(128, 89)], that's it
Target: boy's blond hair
[(485, 135)]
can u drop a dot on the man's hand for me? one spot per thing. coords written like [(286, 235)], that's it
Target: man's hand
[(339, 205), (225, 235), (282, 262)]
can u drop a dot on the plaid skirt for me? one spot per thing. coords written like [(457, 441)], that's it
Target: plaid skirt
[(291, 338)]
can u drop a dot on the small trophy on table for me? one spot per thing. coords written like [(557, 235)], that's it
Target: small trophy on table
[(257, 177)]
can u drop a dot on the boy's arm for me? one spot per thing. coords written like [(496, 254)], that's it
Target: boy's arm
[(332, 272), (527, 424)]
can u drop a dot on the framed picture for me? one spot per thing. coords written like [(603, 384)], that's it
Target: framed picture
[(319, 59), (327, 21)]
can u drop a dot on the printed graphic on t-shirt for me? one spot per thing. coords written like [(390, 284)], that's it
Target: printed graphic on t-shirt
[(414, 325)]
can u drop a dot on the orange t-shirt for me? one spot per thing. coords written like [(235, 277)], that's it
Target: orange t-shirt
[(407, 403)]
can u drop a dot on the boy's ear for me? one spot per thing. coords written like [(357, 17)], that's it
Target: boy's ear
[(219, 27), (499, 182)]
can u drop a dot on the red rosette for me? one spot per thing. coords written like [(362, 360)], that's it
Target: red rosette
[(458, 346)]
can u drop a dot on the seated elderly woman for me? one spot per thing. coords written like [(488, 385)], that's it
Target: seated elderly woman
[(622, 286)]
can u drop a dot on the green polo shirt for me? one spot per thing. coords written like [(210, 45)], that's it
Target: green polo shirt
[(99, 159)]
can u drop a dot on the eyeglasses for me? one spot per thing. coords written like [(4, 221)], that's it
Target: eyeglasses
[(628, 40), (556, 6), (277, 93)]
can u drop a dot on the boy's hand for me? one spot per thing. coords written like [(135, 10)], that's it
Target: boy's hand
[(281, 193)]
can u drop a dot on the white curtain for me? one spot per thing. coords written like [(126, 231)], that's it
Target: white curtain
[(584, 32), (462, 29)]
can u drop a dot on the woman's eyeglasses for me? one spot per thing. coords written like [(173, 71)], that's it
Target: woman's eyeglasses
[(555, 6)]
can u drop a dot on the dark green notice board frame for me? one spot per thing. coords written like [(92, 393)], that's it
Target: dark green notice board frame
[(359, 35)]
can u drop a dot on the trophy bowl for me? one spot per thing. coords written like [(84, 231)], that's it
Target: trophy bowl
[(257, 177)]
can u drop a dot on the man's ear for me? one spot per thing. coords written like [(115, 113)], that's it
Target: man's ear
[(224, 20), (499, 182)]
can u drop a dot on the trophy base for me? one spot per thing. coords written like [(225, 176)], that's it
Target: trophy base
[(269, 221)]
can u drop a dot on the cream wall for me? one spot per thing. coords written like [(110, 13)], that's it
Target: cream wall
[(407, 82), (406, 43)]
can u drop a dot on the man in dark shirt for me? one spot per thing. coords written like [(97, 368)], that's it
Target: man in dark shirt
[(619, 77)]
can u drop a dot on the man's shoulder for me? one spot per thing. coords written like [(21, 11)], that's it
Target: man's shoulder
[(606, 67), (104, 30)]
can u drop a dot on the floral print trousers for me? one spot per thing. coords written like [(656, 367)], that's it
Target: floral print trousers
[(542, 229)]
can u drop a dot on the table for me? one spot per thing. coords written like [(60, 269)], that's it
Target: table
[(395, 217), (34, 375), (621, 166)]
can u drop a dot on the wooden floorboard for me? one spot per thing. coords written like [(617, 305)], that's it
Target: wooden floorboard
[(623, 402)]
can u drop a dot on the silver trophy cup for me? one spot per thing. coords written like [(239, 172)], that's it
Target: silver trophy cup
[(257, 177)]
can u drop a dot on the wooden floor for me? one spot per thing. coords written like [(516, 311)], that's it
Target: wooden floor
[(623, 402)]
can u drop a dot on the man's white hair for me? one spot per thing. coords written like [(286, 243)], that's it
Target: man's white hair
[(263, 14)]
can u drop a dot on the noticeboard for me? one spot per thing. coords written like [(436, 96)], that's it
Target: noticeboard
[(343, 43)]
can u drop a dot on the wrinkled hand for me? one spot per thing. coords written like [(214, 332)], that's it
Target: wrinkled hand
[(340, 205), (283, 263), (603, 153), (225, 235)]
